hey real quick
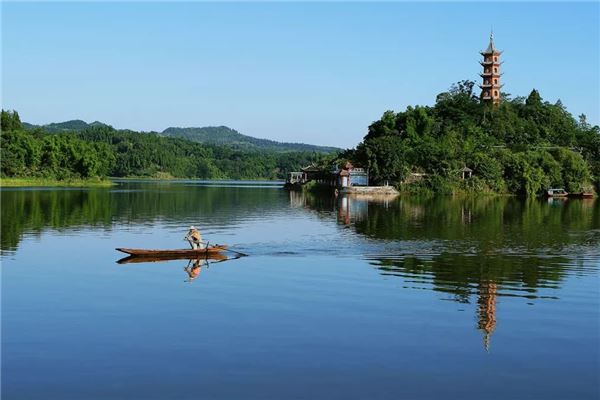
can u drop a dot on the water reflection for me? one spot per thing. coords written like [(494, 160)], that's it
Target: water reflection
[(33, 211), (194, 268), (486, 311), (385, 293), (138, 259), (467, 225), (475, 250), (469, 250)]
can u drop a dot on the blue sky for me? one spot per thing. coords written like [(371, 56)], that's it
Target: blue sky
[(306, 72)]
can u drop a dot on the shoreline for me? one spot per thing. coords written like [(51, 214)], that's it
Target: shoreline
[(174, 179), (46, 182), (112, 181)]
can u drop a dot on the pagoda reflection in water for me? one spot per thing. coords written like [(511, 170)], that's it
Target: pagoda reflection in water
[(486, 310), (475, 250)]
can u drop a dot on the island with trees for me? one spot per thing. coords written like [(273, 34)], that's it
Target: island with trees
[(522, 146)]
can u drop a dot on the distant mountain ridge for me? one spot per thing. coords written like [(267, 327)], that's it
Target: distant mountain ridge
[(72, 125), (223, 135), (216, 135)]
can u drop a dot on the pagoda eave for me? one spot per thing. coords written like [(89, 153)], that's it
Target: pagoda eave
[(491, 74), (492, 53)]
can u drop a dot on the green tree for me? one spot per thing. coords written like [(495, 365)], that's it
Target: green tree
[(10, 121), (385, 158)]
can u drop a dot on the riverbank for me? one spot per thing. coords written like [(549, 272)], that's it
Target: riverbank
[(45, 182), (155, 178)]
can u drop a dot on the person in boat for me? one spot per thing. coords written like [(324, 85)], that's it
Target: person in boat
[(195, 238)]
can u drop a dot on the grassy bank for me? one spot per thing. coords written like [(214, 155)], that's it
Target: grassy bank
[(23, 182)]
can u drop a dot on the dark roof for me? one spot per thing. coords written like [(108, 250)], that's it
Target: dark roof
[(491, 49), (310, 168)]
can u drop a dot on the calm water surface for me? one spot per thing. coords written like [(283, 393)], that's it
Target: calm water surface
[(348, 298)]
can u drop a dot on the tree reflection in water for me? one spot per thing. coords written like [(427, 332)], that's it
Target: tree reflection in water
[(33, 211), (482, 248), (476, 250)]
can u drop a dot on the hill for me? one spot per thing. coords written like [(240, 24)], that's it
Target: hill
[(223, 135), (64, 151), (215, 135), (72, 125)]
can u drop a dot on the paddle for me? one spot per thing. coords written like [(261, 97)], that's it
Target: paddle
[(216, 245), (236, 252)]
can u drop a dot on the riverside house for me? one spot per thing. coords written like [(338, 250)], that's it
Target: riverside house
[(337, 177), (350, 176)]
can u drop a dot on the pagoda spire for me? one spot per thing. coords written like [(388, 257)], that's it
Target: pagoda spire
[(491, 47), (490, 87)]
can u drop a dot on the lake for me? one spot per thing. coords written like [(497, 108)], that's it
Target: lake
[(339, 298)]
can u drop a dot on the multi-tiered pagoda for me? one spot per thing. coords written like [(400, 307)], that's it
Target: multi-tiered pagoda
[(490, 88)]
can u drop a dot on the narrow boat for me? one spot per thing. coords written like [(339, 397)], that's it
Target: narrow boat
[(174, 253), (153, 259), (582, 195)]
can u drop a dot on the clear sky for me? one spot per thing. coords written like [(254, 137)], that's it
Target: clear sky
[(306, 72)]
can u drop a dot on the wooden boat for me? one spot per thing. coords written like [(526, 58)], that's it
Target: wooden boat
[(185, 253), (582, 195), (152, 259)]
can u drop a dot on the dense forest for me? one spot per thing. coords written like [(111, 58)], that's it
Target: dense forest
[(99, 150), (222, 135), (523, 146), (216, 135)]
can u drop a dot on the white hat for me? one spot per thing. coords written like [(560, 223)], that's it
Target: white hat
[(192, 228)]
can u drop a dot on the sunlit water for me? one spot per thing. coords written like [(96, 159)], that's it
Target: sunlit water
[(353, 298)]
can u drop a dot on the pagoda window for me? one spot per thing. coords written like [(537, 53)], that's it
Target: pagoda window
[(495, 59), (495, 69), (495, 81), (495, 93)]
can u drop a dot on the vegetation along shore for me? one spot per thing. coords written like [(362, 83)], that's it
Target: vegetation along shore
[(76, 150), (522, 146), (41, 182)]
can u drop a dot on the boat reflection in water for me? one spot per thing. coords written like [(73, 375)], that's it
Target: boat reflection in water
[(138, 260), (193, 267), (472, 250)]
